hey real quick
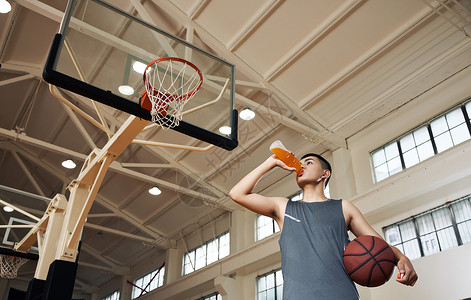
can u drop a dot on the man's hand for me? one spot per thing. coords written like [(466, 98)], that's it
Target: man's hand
[(407, 274)]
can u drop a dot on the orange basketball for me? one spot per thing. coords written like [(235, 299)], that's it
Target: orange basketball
[(369, 261)]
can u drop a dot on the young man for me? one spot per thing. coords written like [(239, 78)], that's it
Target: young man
[(314, 232)]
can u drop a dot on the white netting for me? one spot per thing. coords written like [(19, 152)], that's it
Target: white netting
[(170, 84), (9, 265)]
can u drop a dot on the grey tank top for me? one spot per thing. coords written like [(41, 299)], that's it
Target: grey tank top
[(312, 242)]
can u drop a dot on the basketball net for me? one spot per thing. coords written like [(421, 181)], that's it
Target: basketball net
[(9, 265), (170, 83)]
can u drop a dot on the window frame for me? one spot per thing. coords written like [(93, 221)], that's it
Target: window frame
[(449, 207), (463, 107)]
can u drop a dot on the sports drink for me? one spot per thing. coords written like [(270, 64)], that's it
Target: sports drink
[(285, 156)]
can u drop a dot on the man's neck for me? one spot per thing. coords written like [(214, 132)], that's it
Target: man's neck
[(314, 193)]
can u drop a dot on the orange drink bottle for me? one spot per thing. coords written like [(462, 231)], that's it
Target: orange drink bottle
[(285, 156)]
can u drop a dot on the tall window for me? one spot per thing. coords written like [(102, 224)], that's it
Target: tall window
[(113, 296), (148, 282), (270, 286), (442, 133), (433, 231), (206, 254), (266, 226), (215, 296)]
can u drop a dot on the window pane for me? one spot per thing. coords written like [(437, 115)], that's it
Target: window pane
[(411, 158), (381, 172), (439, 126), (407, 142), (425, 151), (443, 141), (270, 280), (407, 231), (271, 294), (430, 243), (411, 249), (447, 238), (224, 248), (379, 157), (460, 134), (392, 235), (442, 218), (394, 166), (391, 151), (455, 118), (262, 284), (213, 251), (462, 210), (465, 231), (200, 260), (425, 224), (421, 135), (468, 109)]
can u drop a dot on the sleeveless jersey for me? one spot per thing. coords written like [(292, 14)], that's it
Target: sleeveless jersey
[(312, 242)]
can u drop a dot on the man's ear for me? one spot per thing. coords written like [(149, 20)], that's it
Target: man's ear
[(326, 174)]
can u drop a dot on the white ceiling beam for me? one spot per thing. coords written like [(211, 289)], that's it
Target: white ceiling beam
[(93, 252), (105, 202), (22, 137), (221, 49), (121, 233), (330, 22), (363, 60), (249, 27), (28, 173), (16, 79), (22, 67), (404, 83), (163, 41), (73, 117)]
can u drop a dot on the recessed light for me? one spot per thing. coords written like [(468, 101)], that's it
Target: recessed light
[(5, 7), (155, 191), (68, 164), (139, 67), (225, 130), (247, 114), (126, 90), (8, 208)]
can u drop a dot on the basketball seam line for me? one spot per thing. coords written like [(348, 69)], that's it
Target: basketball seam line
[(371, 257)]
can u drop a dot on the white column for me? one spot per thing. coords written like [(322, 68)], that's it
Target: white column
[(172, 265), (242, 230), (126, 288), (342, 185)]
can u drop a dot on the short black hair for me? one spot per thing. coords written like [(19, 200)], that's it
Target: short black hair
[(324, 163)]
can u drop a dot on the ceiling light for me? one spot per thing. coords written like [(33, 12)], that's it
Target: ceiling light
[(155, 191), (247, 114), (225, 130), (126, 90), (69, 164), (5, 7), (139, 67), (8, 208)]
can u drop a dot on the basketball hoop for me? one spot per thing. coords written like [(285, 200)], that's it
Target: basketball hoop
[(9, 265), (170, 83)]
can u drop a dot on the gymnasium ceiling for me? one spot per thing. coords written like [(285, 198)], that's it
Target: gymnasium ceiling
[(316, 73)]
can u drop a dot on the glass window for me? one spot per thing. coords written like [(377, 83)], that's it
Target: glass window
[(266, 226), (206, 254), (444, 227), (148, 282), (389, 155), (450, 130), (113, 296), (270, 286), (215, 296), (442, 133)]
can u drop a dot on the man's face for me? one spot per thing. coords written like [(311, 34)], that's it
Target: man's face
[(312, 170)]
